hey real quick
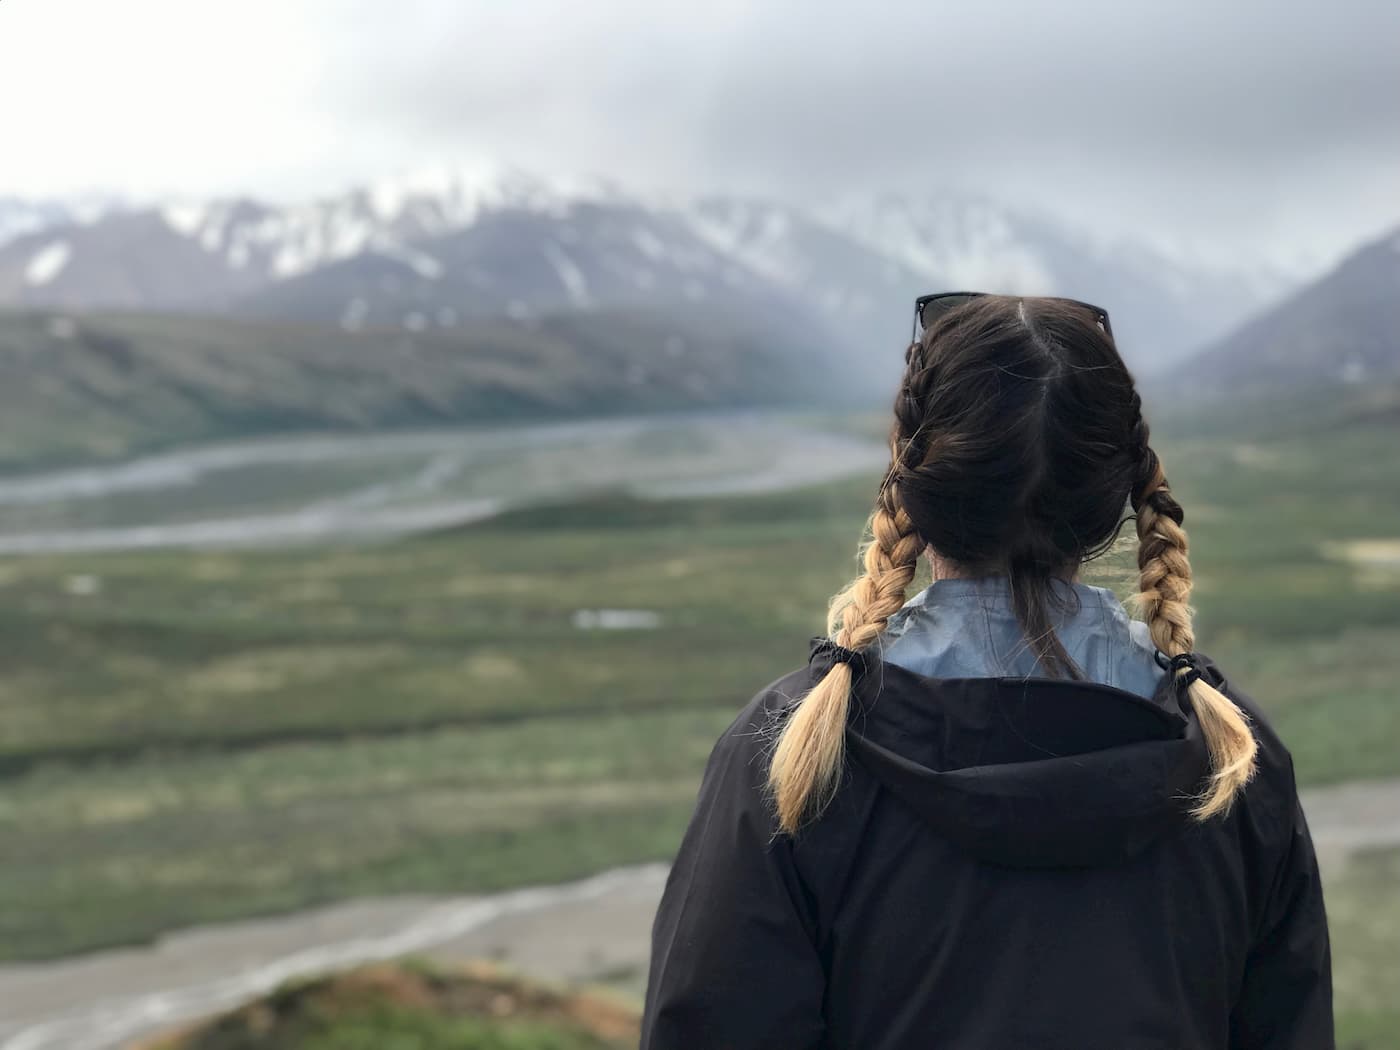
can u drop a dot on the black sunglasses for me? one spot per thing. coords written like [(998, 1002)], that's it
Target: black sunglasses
[(929, 308)]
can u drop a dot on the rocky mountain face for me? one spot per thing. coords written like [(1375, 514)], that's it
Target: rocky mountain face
[(430, 252)]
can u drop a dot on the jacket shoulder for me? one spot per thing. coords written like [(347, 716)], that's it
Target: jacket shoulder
[(757, 720), (738, 763)]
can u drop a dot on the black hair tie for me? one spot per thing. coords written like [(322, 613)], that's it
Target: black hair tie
[(1191, 663), (839, 654)]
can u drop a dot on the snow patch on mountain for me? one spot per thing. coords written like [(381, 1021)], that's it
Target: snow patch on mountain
[(47, 263), (758, 235), (448, 197), (951, 241), (575, 284), (185, 218), (420, 262), (648, 243)]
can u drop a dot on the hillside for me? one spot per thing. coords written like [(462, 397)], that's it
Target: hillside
[(105, 386), (1341, 330), (412, 1006)]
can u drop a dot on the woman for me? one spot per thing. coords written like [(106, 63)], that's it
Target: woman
[(1000, 815)]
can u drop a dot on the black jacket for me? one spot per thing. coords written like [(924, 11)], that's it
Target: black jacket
[(1008, 864)]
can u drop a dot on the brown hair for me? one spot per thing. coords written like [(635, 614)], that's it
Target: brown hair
[(1018, 443)]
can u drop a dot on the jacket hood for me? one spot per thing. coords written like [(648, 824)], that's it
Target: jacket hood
[(1027, 772)]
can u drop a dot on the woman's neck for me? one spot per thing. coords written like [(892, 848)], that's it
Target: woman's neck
[(945, 569)]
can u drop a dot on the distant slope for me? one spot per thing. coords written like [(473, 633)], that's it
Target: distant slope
[(403, 1006), (105, 386), (1343, 329), (1162, 308)]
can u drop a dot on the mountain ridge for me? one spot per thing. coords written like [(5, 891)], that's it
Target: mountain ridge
[(1343, 329), (427, 251)]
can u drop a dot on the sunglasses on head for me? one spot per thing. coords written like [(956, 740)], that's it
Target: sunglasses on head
[(929, 308)]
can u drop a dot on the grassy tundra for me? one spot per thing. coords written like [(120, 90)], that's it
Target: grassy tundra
[(197, 736)]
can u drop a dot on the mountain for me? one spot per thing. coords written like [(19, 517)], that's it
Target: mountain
[(431, 251), (127, 260), (19, 217), (97, 386), (1342, 329), (522, 262), (238, 245), (864, 292), (1162, 308)]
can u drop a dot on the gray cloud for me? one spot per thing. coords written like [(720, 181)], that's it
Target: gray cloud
[(1274, 124), (1248, 126)]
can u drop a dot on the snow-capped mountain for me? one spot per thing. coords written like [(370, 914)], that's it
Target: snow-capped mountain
[(387, 218), (522, 262), (19, 216), (428, 251)]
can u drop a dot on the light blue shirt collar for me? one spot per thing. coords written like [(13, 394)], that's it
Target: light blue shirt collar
[(967, 628)]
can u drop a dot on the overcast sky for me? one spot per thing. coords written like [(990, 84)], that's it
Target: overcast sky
[(1249, 126)]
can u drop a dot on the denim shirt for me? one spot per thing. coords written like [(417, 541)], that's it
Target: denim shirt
[(967, 628)]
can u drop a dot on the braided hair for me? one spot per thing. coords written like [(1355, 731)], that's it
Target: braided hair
[(1017, 445), (1164, 591)]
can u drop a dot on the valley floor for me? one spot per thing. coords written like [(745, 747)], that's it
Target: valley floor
[(197, 737), (595, 932)]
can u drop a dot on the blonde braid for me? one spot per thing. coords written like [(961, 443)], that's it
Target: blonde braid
[(1164, 595), (806, 765)]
